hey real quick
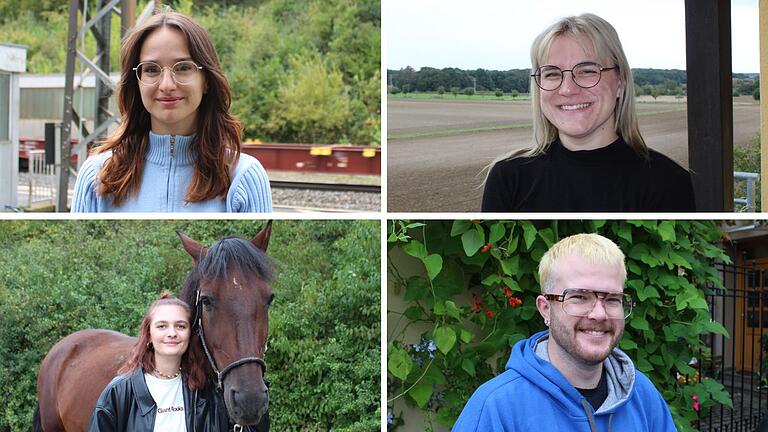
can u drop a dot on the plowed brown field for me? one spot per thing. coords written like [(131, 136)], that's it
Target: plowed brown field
[(444, 173)]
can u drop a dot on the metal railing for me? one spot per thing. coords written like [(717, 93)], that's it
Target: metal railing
[(748, 202), (738, 361), (40, 180)]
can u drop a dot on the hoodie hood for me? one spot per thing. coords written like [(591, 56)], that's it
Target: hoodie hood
[(530, 359)]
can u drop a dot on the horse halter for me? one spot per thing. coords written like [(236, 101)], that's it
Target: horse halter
[(223, 373)]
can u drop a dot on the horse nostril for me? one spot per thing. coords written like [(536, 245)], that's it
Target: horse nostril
[(236, 400)]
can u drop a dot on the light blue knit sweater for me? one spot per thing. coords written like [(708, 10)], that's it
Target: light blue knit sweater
[(165, 180)]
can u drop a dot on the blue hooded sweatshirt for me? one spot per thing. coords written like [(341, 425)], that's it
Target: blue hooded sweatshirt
[(532, 395)]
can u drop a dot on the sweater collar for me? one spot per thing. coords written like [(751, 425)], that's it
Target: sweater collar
[(159, 152)]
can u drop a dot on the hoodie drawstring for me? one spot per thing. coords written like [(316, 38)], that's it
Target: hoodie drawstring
[(592, 425), (588, 410)]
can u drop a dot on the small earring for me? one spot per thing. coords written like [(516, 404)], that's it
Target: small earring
[(546, 322), (149, 346)]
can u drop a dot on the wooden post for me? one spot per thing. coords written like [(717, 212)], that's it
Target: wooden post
[(763, 105), (710, 102)]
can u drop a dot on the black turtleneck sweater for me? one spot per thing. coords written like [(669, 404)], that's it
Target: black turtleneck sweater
[(609, 179)]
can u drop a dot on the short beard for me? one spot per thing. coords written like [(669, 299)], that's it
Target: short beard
[(560, 334)]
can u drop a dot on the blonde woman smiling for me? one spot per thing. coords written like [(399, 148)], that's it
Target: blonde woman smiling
[(587, 153)]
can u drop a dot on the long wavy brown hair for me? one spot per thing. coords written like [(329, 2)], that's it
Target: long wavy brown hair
[(143, 355), (217, 140)]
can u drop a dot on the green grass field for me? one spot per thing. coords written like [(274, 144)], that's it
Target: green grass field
[(460, 96), (457, 131)]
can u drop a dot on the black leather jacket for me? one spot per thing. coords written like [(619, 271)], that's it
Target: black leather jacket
[(126, 405)]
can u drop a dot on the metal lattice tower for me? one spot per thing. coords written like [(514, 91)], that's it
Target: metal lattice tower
[(97, 18)]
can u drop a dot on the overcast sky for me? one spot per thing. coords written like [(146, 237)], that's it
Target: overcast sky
[(497, 34)]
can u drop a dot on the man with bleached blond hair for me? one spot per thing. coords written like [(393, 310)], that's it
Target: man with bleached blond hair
[(572, 377)]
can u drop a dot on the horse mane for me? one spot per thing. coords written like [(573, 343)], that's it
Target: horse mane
[(228, 254)]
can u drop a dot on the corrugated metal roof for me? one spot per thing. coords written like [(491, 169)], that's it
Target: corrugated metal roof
[(57, 80)]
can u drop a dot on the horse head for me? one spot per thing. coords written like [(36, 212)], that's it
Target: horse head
[(228, 289)]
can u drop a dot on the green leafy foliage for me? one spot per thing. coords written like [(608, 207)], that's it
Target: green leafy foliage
[(14, 9), (57, 277), (300, 70), (482, 301), (314, 105)]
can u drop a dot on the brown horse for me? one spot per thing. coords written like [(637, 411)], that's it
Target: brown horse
[(229, 293)]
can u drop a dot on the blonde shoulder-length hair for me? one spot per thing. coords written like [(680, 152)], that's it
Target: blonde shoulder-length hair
[(597, 35)]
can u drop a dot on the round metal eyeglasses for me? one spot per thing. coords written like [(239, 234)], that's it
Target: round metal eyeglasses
[(183, 72), (581, 302), (584, 75)]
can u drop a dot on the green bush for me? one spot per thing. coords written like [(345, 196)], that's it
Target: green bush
[(471, 269), (747, 159), (57, 277), (331, 326), (314, 105)]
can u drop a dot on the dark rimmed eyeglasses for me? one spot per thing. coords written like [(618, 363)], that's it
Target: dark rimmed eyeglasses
[(580, 302), (183, 72), (584, 75)]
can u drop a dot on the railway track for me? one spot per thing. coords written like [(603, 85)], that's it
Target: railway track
[(336, 187)]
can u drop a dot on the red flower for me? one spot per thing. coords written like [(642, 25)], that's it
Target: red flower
[(696, 405), (489, 313), (507, 292), (476, 303), (485, 248), (515, 302)]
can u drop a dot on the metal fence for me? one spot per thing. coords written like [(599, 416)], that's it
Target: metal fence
[(739, 362), (39, 183)]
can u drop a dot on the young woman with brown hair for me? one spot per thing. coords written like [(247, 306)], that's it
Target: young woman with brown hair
[(177, 148), (162, 386)]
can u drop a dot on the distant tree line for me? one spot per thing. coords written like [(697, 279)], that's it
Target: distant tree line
[(746, 86), (654, 77), (429, 79), (652, 82)]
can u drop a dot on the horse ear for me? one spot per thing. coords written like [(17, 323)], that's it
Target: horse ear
[(193, 248), (261, 240)]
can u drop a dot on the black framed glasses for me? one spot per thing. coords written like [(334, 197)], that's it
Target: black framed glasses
[(584, 75), (183, 72), (580, 302)]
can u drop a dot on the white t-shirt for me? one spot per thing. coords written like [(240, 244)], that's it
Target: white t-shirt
[(169, 399)]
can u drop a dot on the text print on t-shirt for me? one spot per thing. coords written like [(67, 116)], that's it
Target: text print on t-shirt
[(170, 409)]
